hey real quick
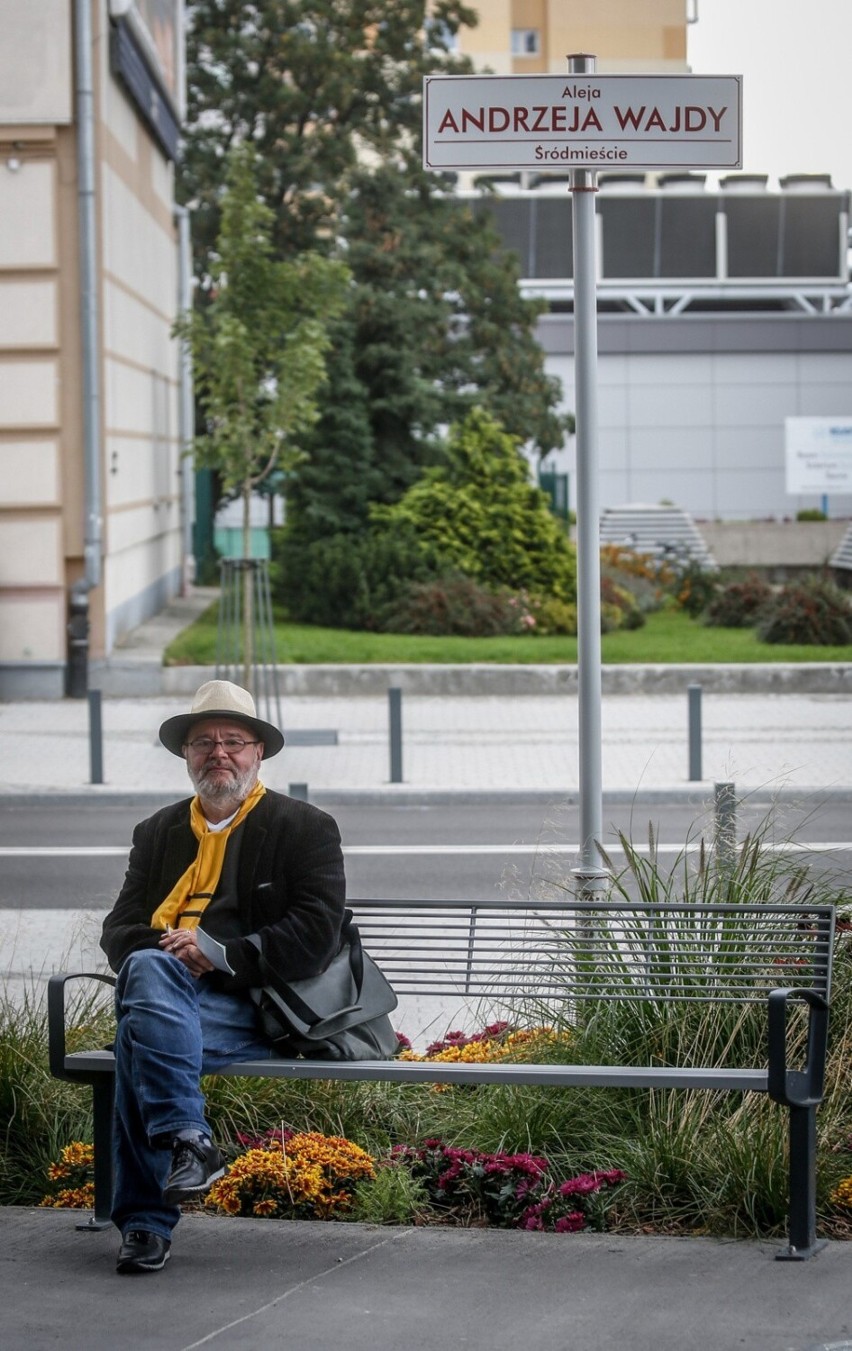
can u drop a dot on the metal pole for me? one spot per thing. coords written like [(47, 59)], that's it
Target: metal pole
[(96, 749), (395, 717), (694, 696), (591, 872), (89, 305), (186, 415)]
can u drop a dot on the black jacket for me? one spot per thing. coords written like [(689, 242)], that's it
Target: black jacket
[(289, 883)]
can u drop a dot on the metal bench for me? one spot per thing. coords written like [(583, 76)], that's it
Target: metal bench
[(526, 961)]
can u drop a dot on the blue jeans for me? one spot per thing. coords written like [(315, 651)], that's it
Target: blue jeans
[(172, 1028)]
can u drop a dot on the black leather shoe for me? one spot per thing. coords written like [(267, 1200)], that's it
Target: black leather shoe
[(196, 1164), (142, 1251)]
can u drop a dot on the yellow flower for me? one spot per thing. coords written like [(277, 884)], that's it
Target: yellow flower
[(72, 1198), (75, 1155), (490, 1049), (309, 1175), (842, 1194)]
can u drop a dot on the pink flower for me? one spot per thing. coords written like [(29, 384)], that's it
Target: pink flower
[(580, 1185), (570, 1224)]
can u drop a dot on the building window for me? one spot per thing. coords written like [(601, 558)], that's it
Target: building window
[(526, 42)]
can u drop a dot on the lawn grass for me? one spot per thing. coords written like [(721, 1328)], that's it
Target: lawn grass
[(669, 637)]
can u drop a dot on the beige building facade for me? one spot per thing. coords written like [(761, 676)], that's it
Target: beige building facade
[(533, 37), (93, 493)]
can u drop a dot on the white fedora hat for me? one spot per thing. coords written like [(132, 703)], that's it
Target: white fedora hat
[(220, 699)]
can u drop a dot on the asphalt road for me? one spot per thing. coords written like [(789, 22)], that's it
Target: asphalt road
[(74, 858)]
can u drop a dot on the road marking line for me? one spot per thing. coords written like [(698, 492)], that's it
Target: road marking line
[(379, 850)]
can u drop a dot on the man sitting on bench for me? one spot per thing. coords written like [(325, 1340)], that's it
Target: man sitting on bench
[(248, 862)]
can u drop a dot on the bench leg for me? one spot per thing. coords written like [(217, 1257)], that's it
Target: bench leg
[(103, 1101), (803, 1240)]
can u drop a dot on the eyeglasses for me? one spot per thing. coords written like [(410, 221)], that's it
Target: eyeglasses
[(231, 745)]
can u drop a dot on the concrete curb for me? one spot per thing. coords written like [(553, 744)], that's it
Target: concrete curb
[(697, 794), (122, 677)]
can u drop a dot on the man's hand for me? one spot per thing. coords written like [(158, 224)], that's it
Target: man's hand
[(181, 944)]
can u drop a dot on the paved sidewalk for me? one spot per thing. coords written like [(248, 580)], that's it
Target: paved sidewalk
[(245, 1285), (767, 744), (793, 734), (788, 740)]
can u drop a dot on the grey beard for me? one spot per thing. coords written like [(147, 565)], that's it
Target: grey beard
[(235, 789)]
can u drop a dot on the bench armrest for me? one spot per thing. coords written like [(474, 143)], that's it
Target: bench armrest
[(797, 1088), (56, 1049)]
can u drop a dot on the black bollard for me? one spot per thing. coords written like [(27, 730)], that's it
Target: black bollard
[(96, 741), (395, 716), (694, 694)]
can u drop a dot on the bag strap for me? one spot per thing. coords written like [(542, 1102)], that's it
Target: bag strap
[(288, 998)]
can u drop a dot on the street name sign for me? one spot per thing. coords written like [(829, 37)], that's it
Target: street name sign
[(602, 122)]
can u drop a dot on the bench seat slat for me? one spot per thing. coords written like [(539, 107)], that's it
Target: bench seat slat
[(420, 1072)]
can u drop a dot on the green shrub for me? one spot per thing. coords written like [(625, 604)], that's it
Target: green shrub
[(694, 586), (454, 603), (814, 611), (643, 575), (811, 514), (553, 616), (479, 514), (393, 1196), (346, 580), (738, 604), (619, 608)]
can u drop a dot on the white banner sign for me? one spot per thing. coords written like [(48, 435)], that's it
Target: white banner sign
[(603, 122), (819, 454)]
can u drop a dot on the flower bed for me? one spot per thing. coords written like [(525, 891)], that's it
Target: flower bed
[(286, 1174), (292, 1175)]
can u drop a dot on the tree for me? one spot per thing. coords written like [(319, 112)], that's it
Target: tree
[(436, 325), (258, 348), (329, 93), (313, 85), (479, 513)]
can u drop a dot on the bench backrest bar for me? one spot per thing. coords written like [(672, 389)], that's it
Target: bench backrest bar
[(508, 951)]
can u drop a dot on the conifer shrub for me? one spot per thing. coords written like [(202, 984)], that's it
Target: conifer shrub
[(478, 513), (347, 580)]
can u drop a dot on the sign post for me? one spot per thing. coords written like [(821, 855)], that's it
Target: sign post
[(591, 874), (584, 122)]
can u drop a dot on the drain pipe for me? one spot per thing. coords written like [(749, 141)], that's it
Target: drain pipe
[(78, 625), (186, 413)]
